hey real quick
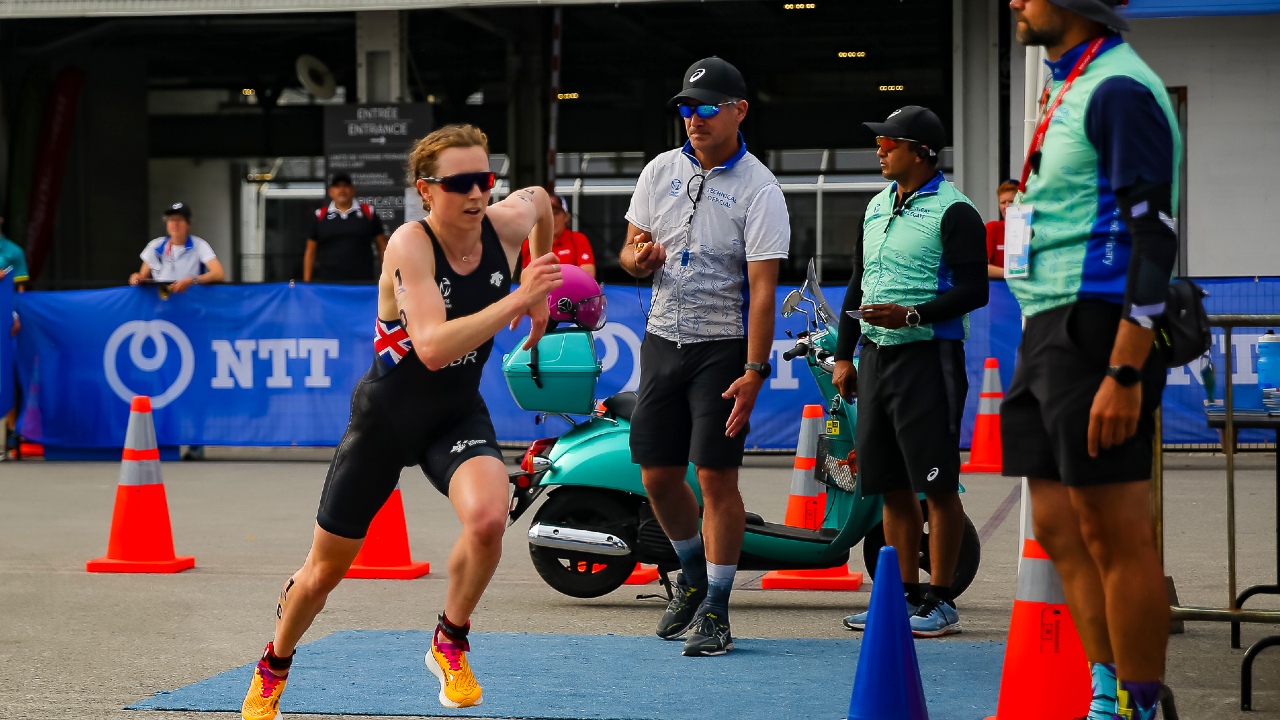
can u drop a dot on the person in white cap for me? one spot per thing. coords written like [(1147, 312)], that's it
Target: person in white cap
[(178, 259)]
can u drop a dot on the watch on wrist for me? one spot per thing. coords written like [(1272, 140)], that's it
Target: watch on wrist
[(913, 317), (764, 368), (1124, 375)]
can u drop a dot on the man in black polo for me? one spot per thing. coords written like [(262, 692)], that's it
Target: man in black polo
[(341, 245)]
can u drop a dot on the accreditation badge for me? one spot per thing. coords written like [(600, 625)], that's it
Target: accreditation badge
[(1017, 241)]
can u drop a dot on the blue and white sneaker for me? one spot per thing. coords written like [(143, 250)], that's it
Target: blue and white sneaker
[(935, 618), (859, 621)]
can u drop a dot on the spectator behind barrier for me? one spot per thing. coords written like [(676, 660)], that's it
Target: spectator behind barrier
[(570, 246), (179, 259), (13, 268), (347, 239), (1007, 191)]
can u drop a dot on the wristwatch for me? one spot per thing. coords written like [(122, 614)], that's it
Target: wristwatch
[(913, 317), (1124, 375), (764, 368)]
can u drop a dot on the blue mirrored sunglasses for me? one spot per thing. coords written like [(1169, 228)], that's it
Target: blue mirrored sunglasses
[(703, 111)]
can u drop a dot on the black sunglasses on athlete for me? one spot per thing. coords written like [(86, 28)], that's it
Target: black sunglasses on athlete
[(462, 183)]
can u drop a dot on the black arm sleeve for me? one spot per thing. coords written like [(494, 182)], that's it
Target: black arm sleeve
[(851, 329), (1147, 210), (964, 252)]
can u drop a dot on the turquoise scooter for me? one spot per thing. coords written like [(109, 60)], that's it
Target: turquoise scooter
[(597, 523)]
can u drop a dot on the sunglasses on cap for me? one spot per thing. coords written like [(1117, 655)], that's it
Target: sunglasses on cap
[(462, 183), (703, 111)]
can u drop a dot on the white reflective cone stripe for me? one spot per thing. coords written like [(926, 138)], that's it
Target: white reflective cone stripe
[(802, 482), (141, 434), (140, 472)]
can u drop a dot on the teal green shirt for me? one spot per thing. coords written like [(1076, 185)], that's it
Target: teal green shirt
[(13, 262), (902, 256), (1080, 246)]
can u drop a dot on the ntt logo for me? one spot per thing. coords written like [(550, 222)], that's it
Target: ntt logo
[(159, 332)]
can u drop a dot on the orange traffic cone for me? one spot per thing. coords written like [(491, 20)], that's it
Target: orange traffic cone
[(642, 575), (806, 506), (1046, 674), (385, 553), (141, 538), (985, 449)]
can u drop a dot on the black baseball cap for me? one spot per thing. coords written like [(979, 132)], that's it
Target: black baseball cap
[(711, 81), (1103, 11), (915, 123), (178, 208), (339, 179)]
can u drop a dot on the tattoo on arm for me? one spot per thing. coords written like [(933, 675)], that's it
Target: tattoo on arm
[(526, 195), (404, 320), (400, 289)]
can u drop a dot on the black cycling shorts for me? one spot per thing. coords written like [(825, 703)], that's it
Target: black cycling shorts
[(392, 428), (680, 416), (910, 401), (1044, 418)]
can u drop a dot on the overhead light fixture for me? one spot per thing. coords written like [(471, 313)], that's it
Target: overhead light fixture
[(476, 98), (891, 88), (567, 96), (852, 54), (799, 6), (431, 99), (248, 91)]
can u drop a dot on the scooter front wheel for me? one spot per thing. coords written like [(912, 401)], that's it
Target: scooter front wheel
[(584, 574), (966, 565)]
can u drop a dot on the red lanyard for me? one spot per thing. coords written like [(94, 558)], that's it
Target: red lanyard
[(1037, 141)]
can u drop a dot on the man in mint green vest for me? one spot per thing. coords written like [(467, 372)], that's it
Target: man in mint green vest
[(1099, 190), (920, 266)]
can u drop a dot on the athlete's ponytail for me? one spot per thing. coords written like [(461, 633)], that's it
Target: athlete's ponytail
[(426, 152)]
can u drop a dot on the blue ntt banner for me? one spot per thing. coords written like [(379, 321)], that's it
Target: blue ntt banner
[(6, 344), (274, 365)]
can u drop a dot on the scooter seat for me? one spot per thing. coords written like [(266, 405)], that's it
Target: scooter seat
[(622, 405)]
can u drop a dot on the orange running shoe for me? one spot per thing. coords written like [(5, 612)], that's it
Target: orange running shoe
[(263, 699), (448, 662)]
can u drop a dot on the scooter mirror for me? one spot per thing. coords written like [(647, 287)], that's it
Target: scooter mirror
[(791, 303)]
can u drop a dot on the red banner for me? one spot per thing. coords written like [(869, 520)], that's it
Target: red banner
[(51, 165)]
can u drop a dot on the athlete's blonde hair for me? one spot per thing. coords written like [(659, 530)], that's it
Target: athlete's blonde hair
[(426, 152)]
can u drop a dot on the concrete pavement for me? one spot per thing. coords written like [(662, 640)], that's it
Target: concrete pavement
[(75, 645)]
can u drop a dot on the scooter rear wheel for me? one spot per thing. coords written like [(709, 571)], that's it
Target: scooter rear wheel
[(584, 575), (966, 566)]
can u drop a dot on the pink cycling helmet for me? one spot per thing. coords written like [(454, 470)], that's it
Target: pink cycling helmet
[(578, 300)]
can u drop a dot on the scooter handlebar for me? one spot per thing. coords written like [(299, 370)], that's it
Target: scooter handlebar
[(800, 350)]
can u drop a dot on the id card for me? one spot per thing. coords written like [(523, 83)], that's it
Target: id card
[(855, 314), (1017, 241)]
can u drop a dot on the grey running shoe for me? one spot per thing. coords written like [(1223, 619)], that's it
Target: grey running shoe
[(859, 621), (681, 611), (934, 619), (709, 635)]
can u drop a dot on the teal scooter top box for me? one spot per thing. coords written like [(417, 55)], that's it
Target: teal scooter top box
[(558, 375)]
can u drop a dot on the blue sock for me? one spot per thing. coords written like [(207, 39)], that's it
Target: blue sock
[(1138, 700), (693, 561), (1105, 685), (719, 585)]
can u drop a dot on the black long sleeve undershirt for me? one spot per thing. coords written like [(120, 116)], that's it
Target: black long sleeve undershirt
[(964, 252)]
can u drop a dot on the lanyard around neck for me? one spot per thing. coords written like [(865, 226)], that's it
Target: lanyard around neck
[(1037, 141)]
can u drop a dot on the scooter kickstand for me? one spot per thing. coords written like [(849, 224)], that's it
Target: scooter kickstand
[(665, 581)]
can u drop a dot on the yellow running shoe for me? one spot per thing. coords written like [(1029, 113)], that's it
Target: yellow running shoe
[(263, 699), (448, 662)]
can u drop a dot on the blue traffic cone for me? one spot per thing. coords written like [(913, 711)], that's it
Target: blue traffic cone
[(887, 684)]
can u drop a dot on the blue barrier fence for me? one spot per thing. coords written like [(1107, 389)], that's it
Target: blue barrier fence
[(273, 365)]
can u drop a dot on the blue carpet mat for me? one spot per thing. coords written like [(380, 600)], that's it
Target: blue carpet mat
[(610, 677)]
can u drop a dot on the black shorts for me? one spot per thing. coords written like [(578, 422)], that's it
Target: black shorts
[(910, 401), (393, 428), (1044, 419), (680, 415)]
